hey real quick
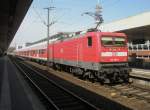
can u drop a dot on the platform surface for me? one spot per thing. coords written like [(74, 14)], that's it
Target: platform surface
[(14, 93)]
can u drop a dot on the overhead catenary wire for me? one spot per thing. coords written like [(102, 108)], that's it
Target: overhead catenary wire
[(39, 16), (112, 3)]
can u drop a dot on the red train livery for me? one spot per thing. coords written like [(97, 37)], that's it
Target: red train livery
[(95, 55)]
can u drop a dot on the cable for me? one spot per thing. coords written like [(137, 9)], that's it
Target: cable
[(111, 3), (36, 12)]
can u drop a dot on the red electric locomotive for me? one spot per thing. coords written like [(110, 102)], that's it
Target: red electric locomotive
[(94, 55)]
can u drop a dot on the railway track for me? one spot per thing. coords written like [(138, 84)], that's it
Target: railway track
[(128, 90), (140, 78), (132, 91), (54, 96)]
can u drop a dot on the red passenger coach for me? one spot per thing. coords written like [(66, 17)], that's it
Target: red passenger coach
[(94, 55)]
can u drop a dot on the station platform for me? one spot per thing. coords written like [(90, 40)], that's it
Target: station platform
[(15, 94)]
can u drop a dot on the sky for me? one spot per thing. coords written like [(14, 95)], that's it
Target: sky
[(67, 16)]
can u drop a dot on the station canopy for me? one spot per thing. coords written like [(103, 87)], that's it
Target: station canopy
[(12, 13), (136, 27)]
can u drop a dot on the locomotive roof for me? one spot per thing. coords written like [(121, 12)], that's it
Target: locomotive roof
[(66, 36), (62, 35), (51, 38)]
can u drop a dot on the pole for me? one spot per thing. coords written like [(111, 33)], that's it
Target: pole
[(48, 37), (48, 25)]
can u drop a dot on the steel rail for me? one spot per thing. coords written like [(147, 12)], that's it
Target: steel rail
[(50, 81), (140, 78), (127, 90), (34, 84)]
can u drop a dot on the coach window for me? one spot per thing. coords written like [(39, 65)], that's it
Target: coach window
[(89, 41), (39, 51), (42, 51), (33, 51), (36, 51)]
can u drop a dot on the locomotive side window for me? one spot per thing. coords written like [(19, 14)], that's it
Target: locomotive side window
[(89, 41)]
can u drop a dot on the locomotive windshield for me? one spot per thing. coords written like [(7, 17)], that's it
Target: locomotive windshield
[(107, 40), (113, 41), (119, 41)]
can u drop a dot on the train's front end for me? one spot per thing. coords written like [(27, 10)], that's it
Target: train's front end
[(113, 57)]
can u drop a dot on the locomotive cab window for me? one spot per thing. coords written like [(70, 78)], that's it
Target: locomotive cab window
[(106, 41), (119, 41), (89, 41), (113, 41)]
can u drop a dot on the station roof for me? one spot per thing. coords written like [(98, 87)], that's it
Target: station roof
[(12, 13), (139, 23)]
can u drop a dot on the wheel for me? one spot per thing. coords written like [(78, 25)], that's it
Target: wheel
[(126, 78), (103, 78), (114, 78), (91, 77)]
